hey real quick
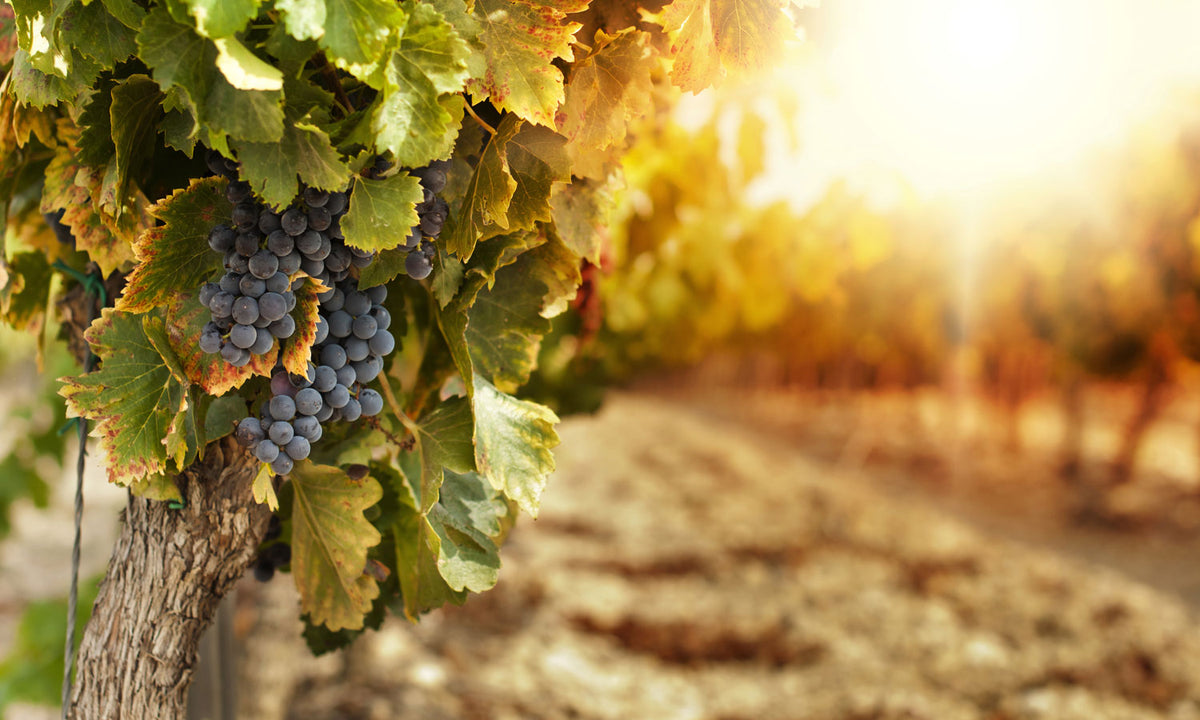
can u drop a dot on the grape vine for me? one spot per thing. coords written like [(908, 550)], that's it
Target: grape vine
[(252, 179)]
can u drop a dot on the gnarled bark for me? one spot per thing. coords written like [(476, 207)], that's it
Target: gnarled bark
[(167, 575)]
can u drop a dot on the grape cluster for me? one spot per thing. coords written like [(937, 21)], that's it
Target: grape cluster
[(352, 337), (276, 554), (431, 212)]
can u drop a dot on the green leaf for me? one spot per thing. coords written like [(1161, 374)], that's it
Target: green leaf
[(303, 152), (179, 57), (712, 37), (222, 416), (243, 69), (134, 116), (485, 202), (134, 397), (507, 321), (537, 159), (221, 18), (467, 522), (520, 39), (95, 32), (444, 440), (127, 11), (304, 19), (412, 118), (40, 89), (330, 540), (33, 669), (176, 255), (382, 213), (513, 439), (609, 90), (354, 32)]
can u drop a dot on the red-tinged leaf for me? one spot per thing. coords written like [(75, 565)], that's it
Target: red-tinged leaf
[(134, 397), (298, 348), (520, 39), (175, 256), (186, 318), (330, 540)]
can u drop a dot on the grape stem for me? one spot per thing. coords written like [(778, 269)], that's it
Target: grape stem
[(481, 121)]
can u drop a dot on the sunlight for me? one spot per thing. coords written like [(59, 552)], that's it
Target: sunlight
[(961, 95)]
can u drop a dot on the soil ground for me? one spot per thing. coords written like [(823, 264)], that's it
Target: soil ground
[(794, 556)]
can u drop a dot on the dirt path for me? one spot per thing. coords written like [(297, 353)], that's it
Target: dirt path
[(732, 576)]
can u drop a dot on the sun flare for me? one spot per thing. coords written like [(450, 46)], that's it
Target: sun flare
[(961, 95)]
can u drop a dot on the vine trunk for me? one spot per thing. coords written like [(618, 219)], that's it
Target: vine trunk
[(167, 575)]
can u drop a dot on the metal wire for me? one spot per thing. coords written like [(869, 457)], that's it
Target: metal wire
[(73, 595)]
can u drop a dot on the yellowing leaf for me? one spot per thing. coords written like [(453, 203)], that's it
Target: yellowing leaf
[(513, 439), (609, 89), (330, 540), (519, 38), (298, 348), (712, 37), (264, 487), (488, 194)]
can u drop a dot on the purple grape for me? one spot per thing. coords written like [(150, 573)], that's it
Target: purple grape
[(282, 465), (283, 328), (280, 432), (382, 344), (243, 336), (263, 342), (283, 407), (249, 432), (351, 411), (325, 380), (370, 401), (337, 397), (245, 310), (308, 401), (333, 355), (364, 327), (293, 222), (221, 238), (297, 448)]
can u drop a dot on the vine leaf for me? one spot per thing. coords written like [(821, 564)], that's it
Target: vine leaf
[(444, 439), (264, 487), (355, 32), (181, 58), (537, 160), (519, 40), (382, 213), (186, 318), (134, 397), (582, 213), (609, 89), (417, 114), (487, 196), (513, 439), (330, 540), (297, 349), (468, 521), (222, 415), (26, 294), (134, 115), (710, 38), (176, 254), (221, 18), (95, 32), (70, 186), (243, 69), (304, 151)]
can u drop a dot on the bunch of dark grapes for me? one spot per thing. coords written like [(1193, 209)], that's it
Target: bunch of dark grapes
[(250, 304), (432, 212), (276, 554), (352, 337)]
